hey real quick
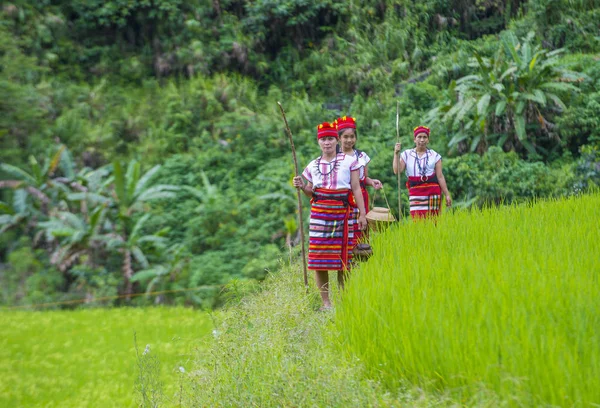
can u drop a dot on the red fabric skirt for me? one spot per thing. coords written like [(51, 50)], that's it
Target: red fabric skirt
[(358, 234), (424, 195)]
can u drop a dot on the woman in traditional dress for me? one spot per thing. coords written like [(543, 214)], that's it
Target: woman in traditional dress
[(426, 181), (334, 187), (346, 127)]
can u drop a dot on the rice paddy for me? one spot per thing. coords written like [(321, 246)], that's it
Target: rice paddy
[(87, 357), (492, 306)]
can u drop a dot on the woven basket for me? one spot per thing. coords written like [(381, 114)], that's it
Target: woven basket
[(379, 218)]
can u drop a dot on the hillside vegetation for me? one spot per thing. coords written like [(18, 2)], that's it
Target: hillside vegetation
[(142, 150)]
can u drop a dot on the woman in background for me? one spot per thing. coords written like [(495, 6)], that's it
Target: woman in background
[(426, 181)]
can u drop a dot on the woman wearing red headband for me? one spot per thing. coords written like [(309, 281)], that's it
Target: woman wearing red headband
[(334, 187), (346, 127), (426, 181)]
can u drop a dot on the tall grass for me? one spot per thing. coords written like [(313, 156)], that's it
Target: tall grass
[(487, 306), (274, 350), (87, 358)]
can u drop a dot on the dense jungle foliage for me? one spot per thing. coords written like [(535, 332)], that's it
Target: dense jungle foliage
[(142, 148)]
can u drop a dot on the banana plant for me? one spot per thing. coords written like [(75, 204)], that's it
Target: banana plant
[(38, 182), (159, 275), (509, 99), (76, 237), (131, 246)]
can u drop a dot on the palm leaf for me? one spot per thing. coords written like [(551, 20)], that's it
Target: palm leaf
[(71, 219), (141, 184), (530, 147), (197, 193), (483, 104), (498, 87), (55, 160), (502, 139), (20, 201), (475, 143), (66, 165), (92, 198), (138, 226), (557, 101), (160, 191), (119, 181), (457, 139), (158, 270), (468, 78), (465, 109), (158, 242), (559, 86), (508, 72), (500, 107), (510, 42), (18, 173), (96, 218), (140, 257), (132, 177), (535, 97), (36, 171)]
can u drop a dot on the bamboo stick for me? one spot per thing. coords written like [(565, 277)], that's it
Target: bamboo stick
[(300, 222)]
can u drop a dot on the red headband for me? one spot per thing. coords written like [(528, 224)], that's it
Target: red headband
[(326, 129), (421, 129), (345, 122)]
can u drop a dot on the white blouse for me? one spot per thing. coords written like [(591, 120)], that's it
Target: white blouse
[(420, 166), (333, 175), (364, 160)]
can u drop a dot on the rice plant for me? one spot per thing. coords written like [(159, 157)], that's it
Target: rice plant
[(87, 357), (489, 306)]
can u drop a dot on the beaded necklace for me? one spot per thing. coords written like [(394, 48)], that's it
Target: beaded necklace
[(422, 170), (333, 164)]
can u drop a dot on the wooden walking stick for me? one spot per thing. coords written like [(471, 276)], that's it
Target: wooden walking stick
[(399, 153), (300, 223)]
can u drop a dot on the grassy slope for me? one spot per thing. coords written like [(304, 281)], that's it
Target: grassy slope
[(87, 357), (274, 349)]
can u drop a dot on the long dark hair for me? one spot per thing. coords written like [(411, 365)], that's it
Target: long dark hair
[(338, 148)]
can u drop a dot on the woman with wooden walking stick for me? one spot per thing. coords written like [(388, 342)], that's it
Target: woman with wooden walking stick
[(426, 181), (334, 187)]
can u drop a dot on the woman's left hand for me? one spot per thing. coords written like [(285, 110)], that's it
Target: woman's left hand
[(362, 222), (448, 201), (377, 185)]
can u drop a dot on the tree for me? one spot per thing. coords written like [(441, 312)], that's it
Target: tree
[(78, 236), (131, 245), (38, 182), (510, 100), (159, 275), (131, 191)]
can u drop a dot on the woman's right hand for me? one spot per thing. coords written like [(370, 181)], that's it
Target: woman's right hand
[(298, 183), (397, 148)]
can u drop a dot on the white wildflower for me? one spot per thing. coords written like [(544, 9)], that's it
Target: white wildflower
[(146, 350), (181, 370)]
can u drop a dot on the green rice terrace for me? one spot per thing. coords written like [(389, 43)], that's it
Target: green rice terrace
[(502, 310), (150, 228)]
